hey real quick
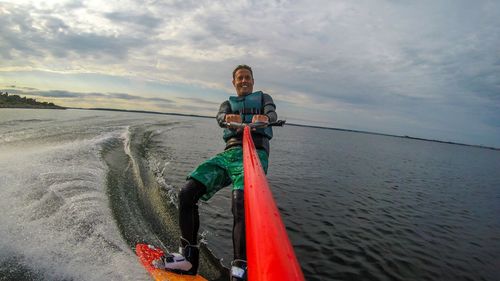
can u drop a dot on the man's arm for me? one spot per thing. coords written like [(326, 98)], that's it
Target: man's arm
[(225, 115), (224, 109), (269, 108)]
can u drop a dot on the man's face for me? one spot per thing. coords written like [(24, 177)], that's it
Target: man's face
[(243, 82)]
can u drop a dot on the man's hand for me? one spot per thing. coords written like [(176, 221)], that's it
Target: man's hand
[(233, 118), (260, 118)]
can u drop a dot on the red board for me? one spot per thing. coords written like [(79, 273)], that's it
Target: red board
[(148, 253)]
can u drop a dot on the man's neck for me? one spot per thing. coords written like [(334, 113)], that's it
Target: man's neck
[(243, 94)]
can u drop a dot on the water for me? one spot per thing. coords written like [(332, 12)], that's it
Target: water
[(79, 188)]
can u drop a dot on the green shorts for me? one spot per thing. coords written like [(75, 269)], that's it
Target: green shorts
[(223, 169)]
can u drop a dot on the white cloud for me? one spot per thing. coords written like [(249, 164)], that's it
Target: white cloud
[(382, 58)]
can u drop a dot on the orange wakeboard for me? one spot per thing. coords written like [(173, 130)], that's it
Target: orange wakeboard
[(148, 253)]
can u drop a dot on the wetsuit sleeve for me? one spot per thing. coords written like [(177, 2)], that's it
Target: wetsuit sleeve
[(224, 109), (269, 107)]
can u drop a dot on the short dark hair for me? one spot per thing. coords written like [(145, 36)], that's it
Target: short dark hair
[(242, 66)]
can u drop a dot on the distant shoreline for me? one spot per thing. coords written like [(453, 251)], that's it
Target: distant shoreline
[(297, 125), (16, 101), (27, 106)]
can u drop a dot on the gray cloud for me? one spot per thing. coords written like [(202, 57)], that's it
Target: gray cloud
[(12, 91), (35, 34), (400, 59), (59, 94), (145, 21), (124, 96), (13, 88), (69, 94), (199, 101), (87, 44)]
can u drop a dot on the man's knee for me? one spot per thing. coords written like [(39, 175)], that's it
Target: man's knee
[(238, 204), (191, 192)]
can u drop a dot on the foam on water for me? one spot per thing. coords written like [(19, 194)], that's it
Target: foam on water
[(55, 211)]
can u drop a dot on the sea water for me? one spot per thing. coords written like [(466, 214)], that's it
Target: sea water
[(79, 188)]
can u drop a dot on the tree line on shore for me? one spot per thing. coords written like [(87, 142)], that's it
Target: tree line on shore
[(17, 101)]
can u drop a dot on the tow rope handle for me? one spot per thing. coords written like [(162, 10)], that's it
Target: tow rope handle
[(270, 255)]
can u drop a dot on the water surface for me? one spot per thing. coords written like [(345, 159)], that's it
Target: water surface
[(79, 188)]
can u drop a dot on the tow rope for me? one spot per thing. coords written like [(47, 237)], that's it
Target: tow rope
[(270, 255)]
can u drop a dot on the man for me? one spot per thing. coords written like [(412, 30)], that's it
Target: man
[(221, 170)]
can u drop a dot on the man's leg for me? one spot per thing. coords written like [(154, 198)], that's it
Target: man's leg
[(189, 221), (238, 209), (239, 265), (238, 269), (189, 218), (187, 260)]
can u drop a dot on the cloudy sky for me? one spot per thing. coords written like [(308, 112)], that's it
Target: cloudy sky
[(427, 69)]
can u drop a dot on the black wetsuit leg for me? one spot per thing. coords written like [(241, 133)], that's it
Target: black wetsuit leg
[(238, 209), (189, 218)]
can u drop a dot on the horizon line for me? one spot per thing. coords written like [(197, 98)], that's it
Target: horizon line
[(294, 124)]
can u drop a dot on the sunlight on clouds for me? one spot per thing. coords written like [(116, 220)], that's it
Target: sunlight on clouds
[(215, 54), (344, 59)]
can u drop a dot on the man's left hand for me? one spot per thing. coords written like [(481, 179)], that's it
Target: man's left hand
[(260, 118)]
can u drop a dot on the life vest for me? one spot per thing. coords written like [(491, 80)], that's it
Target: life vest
[(247, 106)]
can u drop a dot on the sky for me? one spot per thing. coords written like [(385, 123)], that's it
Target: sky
[(427, 69)]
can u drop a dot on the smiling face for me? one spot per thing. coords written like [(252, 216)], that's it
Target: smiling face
[(243, 82)]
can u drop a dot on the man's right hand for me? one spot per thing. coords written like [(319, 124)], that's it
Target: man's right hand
[(233, 118)]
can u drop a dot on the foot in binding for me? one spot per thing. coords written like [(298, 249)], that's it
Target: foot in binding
[(239, 270), (184, 262)]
